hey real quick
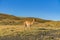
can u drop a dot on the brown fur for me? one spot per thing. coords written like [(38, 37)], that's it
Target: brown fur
[(28, 23)]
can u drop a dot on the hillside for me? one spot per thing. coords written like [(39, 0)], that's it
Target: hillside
[(12, 28), (6, 19)]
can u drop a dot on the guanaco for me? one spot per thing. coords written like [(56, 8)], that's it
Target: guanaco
[(29, 23)]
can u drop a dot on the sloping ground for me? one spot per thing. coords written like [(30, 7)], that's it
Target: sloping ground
[(12, 28), (6, 16), (6, 19)]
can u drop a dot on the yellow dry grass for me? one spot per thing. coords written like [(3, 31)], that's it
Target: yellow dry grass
[(35, 30), (11, 29)]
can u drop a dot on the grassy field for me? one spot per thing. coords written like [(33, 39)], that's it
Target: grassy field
[(12, 28), (19, 32)]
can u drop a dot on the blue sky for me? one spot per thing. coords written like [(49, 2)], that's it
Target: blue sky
[(45, 9)]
